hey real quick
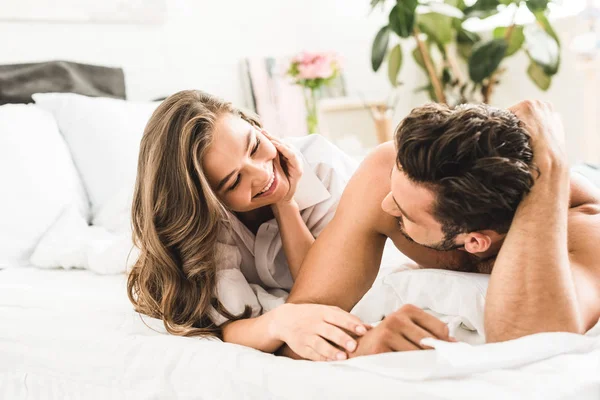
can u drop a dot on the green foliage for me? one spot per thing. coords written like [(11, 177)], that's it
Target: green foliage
[(374, 3), (486, 58), (543, 50), (482, 9), (536, 5), (394, 64), (402, 17), (437, 27), (515, 40), (380, 47), (542, 20), (454, 53), (538, 76), (465, 40), (418, 57)]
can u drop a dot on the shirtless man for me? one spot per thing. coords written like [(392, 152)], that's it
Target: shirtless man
[(470, 189)]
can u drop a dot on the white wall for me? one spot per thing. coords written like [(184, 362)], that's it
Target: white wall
[(202, 42)]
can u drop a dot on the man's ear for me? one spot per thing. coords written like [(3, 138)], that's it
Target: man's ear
[(477, 242)]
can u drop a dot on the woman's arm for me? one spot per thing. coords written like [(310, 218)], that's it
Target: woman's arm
[(295, 235), (258, 333), (308, 330)]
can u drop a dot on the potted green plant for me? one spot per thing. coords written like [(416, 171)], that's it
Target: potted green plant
[(464, 66)]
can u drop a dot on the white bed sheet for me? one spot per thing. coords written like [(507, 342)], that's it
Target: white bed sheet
[(73, 334)]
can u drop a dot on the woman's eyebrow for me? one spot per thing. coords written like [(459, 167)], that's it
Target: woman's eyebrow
[(229, 175)]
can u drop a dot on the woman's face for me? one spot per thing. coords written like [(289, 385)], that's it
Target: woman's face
[(242, 166)]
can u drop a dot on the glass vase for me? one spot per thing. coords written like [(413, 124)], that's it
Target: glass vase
[(311, 97)]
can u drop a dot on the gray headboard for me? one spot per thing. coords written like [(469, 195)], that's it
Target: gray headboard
[(19, 81)]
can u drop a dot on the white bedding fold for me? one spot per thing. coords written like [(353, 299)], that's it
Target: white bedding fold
[(450, 360)]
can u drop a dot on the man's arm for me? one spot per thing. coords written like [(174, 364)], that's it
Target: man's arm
[(531, 288), (343, 262)]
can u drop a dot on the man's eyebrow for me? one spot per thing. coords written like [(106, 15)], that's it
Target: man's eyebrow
[(229, 175), (402, 211)]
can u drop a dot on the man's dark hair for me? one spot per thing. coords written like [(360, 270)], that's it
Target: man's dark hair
[(477, 160)]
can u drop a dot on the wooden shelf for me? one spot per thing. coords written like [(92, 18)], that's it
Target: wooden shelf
[(336, 104)]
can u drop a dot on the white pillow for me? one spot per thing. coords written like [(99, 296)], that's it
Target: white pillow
[(72, 243), (104, 136), (458, 295), (39, 180)]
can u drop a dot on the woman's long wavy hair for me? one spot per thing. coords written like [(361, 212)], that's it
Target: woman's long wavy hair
[(177, 217)]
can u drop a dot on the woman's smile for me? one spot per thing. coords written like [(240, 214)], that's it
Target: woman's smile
[(271, 186)]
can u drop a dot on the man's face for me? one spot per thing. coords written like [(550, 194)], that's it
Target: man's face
[(412, 205)]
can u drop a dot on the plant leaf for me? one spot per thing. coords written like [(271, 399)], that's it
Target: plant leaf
[(394, 64), (402, 17), (465, 40), (543, 49), (446, 77), (380, 46), (545, 24), (464, 50), (465, 36), (418, 58), (440, 8), (482, 9), (538, 76), (486, 58), (374, 3), (536, 5), (438, 27), (460, 4), (516, 40)]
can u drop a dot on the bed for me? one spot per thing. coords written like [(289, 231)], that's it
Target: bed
[(68, 330), (74, 335)]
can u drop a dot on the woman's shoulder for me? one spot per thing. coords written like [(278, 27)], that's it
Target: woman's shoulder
[(309, 144), (317, 150)]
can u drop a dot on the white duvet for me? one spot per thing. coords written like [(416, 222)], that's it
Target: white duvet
[(73, 335)]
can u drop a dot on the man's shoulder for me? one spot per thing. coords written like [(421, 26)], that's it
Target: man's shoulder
[(382, 156), (368, 187), (373, 174)]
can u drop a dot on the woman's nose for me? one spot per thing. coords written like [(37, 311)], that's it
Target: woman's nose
[(261, 171)]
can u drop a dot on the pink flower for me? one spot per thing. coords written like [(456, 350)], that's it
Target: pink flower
[(312, 66)]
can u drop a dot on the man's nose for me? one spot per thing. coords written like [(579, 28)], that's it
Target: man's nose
[(389, 205)]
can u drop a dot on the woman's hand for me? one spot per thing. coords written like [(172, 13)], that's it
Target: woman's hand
[(308, 328), (290, 163)]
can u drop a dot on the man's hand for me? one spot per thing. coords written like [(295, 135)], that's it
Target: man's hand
[(545, 127), (402, 331)]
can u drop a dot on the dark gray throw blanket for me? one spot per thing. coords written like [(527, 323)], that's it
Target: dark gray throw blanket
[(19, 81)]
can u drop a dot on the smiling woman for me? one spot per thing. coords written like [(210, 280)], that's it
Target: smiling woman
[(244, 166), (224, 214)]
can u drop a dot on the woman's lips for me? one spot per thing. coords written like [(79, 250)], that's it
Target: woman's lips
[(273, 185)]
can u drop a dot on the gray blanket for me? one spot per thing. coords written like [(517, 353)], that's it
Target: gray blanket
[(19, 81)]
